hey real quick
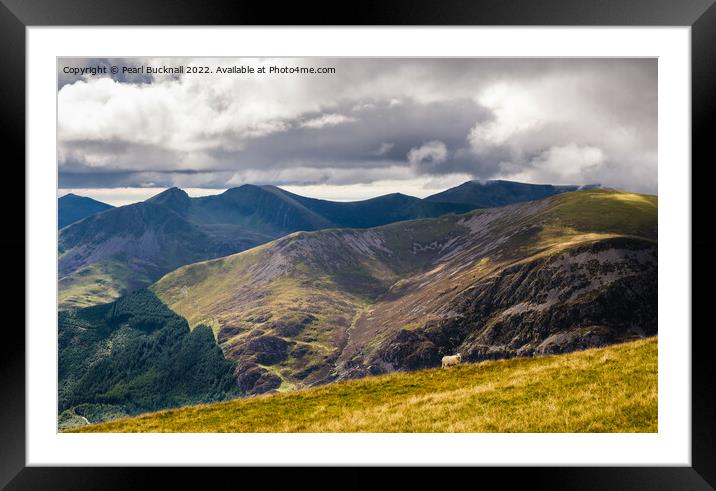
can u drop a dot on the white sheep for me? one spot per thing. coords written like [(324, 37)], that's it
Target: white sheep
[(449, 361)]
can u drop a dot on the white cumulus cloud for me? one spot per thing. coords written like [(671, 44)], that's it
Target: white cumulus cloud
[(327, 120), (562, 165), (433, 152)]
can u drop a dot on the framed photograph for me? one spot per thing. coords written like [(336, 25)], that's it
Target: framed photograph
[(418, 238)]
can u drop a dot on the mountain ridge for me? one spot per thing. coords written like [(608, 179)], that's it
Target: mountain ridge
[(499, 192), (525, 279), (128, 247)]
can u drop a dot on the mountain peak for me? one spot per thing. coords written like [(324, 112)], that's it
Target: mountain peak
[(169, 194), (241, 188), (397, 197), (172, 191), (174, 198), (72, 208)]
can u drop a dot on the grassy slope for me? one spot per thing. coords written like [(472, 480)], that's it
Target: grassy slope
[(611, 389), (98, 283), (603, 212)]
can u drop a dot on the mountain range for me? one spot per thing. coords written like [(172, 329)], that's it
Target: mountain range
[(116, 251), (570, 271), (566, 272)]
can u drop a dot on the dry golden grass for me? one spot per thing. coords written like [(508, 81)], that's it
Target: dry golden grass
[(611, 389)]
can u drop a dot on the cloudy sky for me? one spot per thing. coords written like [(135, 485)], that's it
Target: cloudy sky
[(375, 126)]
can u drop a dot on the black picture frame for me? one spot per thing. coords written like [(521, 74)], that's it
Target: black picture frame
[(700, 15)]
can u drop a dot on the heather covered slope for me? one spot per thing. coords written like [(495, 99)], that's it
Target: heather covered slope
[(567, 272), (612, 389)]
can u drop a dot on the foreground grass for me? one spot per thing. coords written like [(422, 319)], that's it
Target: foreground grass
[(611, 389)]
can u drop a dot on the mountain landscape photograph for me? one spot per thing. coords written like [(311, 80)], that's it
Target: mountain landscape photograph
[(355, 245)]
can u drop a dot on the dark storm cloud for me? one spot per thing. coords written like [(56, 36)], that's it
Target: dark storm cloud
[(128, 179), (549, 120), (395, 129)]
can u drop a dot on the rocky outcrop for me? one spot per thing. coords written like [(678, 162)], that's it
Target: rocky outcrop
[(284, 328), (252, 379), (588, 296), (253, 355), (582, 296), (266, 350)]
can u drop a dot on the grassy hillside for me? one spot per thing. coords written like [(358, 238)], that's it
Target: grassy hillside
[(567, 272), (611, 389), (98, 283)]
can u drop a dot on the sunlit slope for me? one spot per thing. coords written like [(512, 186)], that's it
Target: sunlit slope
[(99, 283), (567, 272), (611, 389)]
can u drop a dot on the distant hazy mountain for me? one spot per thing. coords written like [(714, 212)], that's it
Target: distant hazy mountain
[(72, 208), (120, 250), (489, 194)]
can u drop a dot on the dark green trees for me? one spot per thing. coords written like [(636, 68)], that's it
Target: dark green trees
[(136, 355)]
